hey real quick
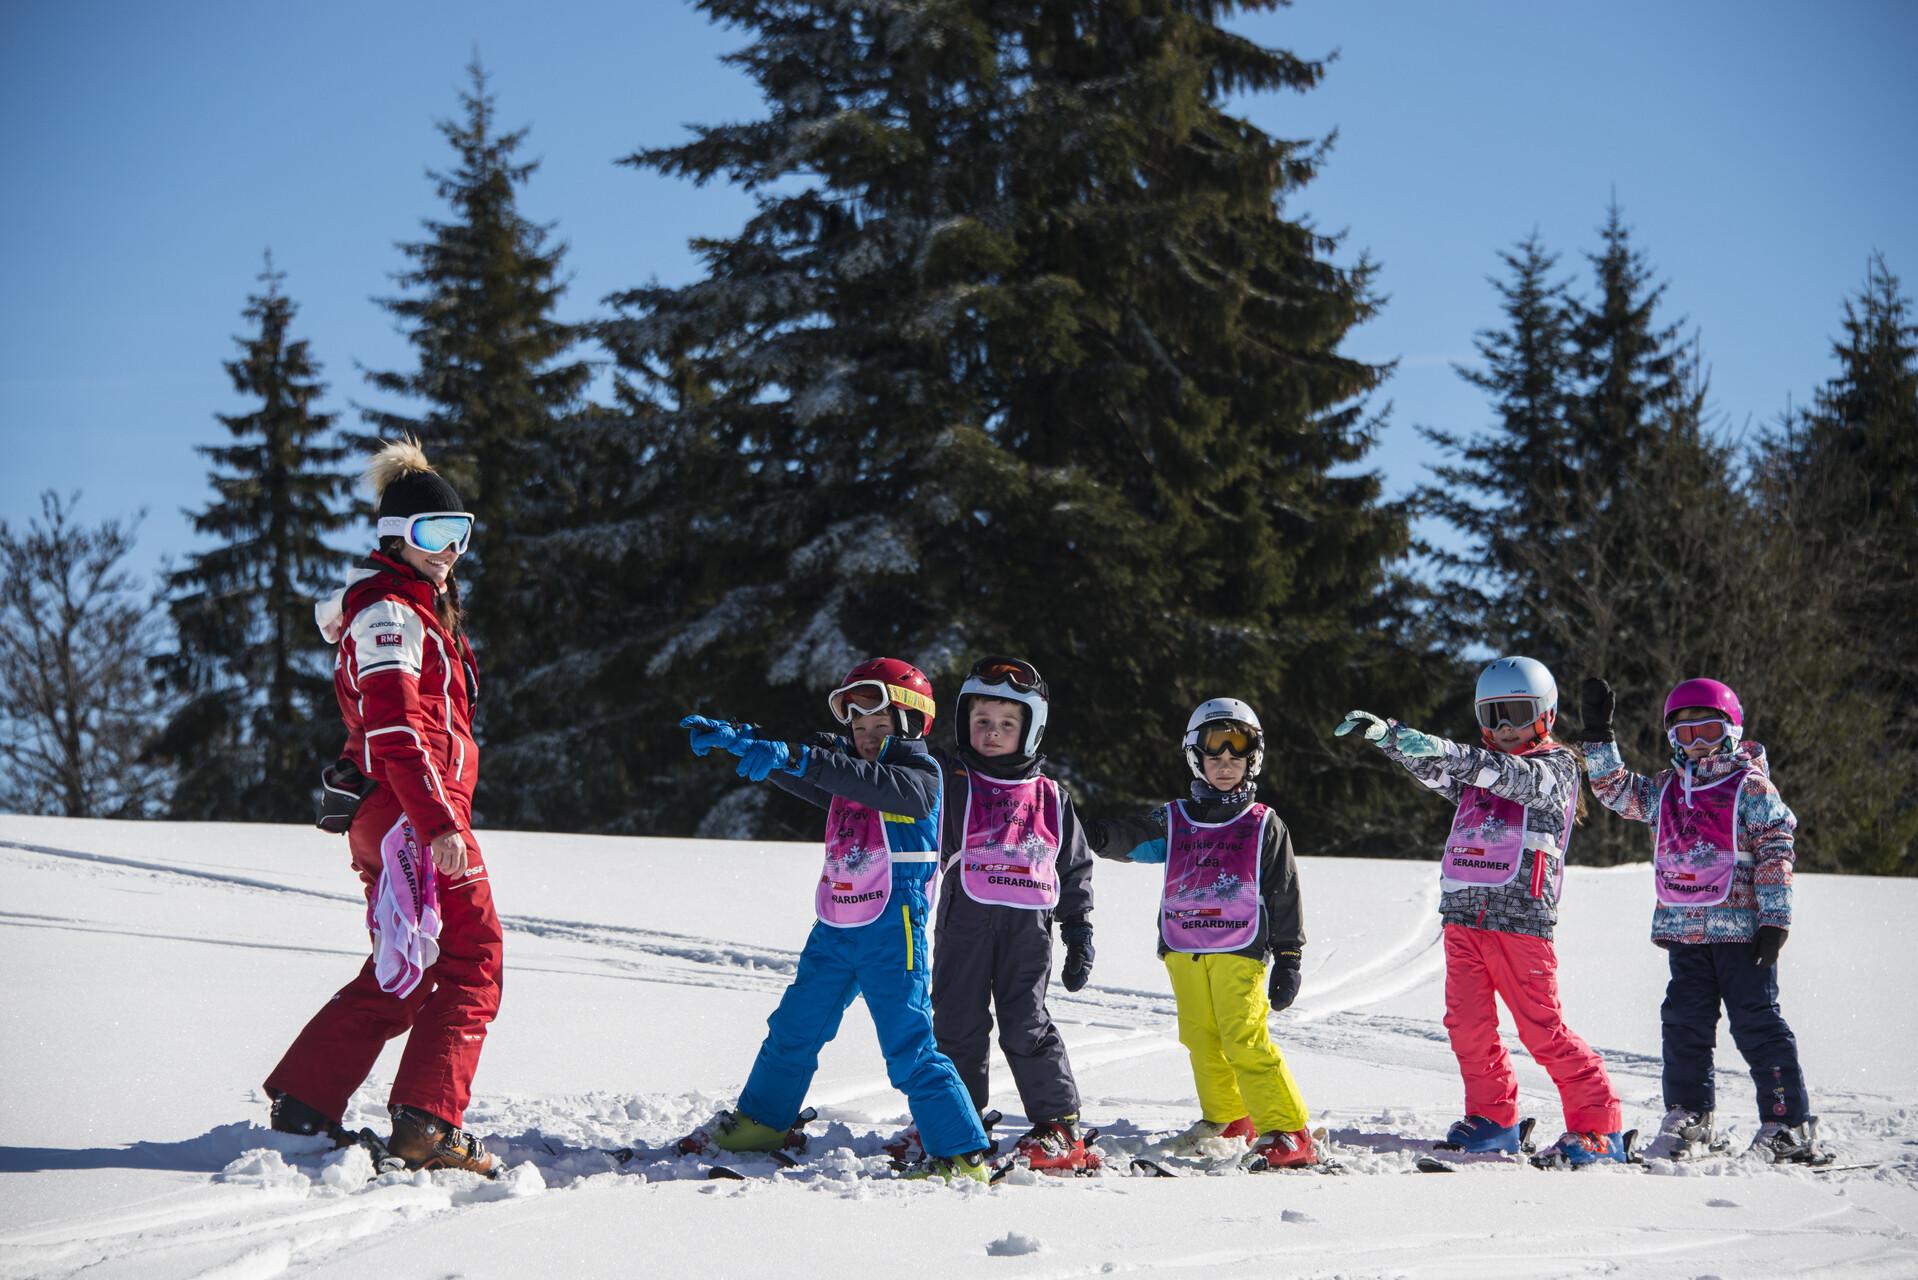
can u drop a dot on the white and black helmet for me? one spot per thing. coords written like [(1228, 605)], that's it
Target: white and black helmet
[(1223, 712), (1010, 680)]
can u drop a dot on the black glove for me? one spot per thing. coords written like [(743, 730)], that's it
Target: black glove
[(1282, 988), (1766, 946), (1596, 703), (1078, 938)]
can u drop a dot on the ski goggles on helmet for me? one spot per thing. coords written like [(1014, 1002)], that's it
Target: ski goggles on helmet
[(1221, 737), (1698, 733), (1516, 713), (1017, 672), (868, 697), (431, 531)]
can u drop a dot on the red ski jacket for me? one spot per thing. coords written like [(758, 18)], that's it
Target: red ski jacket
[(407, 689)]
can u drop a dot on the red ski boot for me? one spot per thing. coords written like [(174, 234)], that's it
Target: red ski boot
[(1278, 1149), (1056, 1147)]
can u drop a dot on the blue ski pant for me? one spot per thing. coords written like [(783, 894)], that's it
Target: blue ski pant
[(886, 962), (1704, 976)]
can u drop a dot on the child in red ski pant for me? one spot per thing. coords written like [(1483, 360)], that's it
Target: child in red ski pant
[(1518, 797)]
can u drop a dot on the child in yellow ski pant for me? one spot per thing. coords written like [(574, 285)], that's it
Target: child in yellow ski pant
[(1239, 1071)]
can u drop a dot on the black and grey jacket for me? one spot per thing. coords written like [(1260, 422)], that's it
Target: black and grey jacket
[(1546, 783)]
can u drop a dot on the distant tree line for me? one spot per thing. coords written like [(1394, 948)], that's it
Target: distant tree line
[(1025, 349)]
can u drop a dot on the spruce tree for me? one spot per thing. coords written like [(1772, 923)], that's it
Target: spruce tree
[(1838, 492), (1019, 352), (254, 715), (497, 388)]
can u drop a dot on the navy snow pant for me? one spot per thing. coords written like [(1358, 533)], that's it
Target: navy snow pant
[(999, 959), (887, 962), (1704, 975)]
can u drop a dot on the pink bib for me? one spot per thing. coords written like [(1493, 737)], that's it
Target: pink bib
[(857, 879), (1211, 896), (1487, 841), (1697, 842), (1009, 851)]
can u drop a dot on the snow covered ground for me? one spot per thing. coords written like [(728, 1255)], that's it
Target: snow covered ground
[(154, 972)]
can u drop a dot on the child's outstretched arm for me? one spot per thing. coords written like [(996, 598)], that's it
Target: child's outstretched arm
[(900, 782), (1627, 794), (1139, 839), (1381, 734)]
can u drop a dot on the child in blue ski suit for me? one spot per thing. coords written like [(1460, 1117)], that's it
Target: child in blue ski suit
[(1723, 848), (882, 793)]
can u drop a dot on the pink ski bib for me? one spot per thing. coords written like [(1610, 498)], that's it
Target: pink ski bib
[(1211, 896), (1487, 841), (1697, 842), (857, 879), (1009, 852)]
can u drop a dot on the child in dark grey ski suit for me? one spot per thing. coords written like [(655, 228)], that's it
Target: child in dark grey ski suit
[(1014, 859)]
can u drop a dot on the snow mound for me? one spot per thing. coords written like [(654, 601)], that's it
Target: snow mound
[(1014, 1244)]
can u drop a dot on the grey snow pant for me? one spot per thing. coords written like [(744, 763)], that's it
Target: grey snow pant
[(999, 959)]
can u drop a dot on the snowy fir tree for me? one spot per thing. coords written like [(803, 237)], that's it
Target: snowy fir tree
[(1020, 351), (250, 678), (1596, 502), (496, 385)]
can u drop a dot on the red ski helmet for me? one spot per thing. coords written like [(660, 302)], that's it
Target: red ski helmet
[(879, 683), (1705, 693)]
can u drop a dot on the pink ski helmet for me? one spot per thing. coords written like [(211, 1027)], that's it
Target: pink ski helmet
[(1706, 693)]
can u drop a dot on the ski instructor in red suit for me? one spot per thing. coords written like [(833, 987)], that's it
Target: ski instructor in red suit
[(407, 687)]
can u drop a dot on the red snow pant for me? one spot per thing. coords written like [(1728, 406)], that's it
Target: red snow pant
[(447, 1013), (1523, 972)]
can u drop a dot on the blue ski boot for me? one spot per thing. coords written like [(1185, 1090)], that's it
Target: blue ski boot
[(1477, 1134), (1581, 1150)]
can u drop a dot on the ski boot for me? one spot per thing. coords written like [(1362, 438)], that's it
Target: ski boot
[(424, 1141), (1687, 1135), (1057, 1147), (1195, 1140), (906, 1147), (736, 1131), (1581, 1150), (1476, 1134), (290, 1115), (1790, 1143), (973, 1166), (1278, 1149)]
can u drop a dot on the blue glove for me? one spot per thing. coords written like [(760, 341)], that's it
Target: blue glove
[(707, 734), (1408, 741), (1373, 727), (758, 759)]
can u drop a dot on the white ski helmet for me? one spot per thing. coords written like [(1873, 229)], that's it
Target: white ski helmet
[(1515, 680), (1009, 680), (1217, 711)]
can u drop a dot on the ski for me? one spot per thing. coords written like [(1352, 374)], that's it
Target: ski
[(1450, 1157), (1549, 1160), (1170, 1167), (1005, 1164)]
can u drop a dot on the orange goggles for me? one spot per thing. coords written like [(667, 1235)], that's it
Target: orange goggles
[(1228, 737)]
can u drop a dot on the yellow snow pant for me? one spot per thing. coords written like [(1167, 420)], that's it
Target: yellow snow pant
[(1239, 1071)]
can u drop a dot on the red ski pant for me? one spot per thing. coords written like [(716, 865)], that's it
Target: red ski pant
[(447, 1013), (1523, 972)]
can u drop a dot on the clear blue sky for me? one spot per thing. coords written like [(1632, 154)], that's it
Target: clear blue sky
[(1760, 150)]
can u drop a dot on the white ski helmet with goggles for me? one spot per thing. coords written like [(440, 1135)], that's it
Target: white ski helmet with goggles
[(1519, 692), (1009, 680), (1210, 732)]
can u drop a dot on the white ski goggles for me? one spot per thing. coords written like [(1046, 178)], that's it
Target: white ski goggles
[(1698, 733), (867, 697), (431, 531), (1513, 712)]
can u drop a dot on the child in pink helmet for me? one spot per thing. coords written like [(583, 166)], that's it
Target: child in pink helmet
[(1721, 870)]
